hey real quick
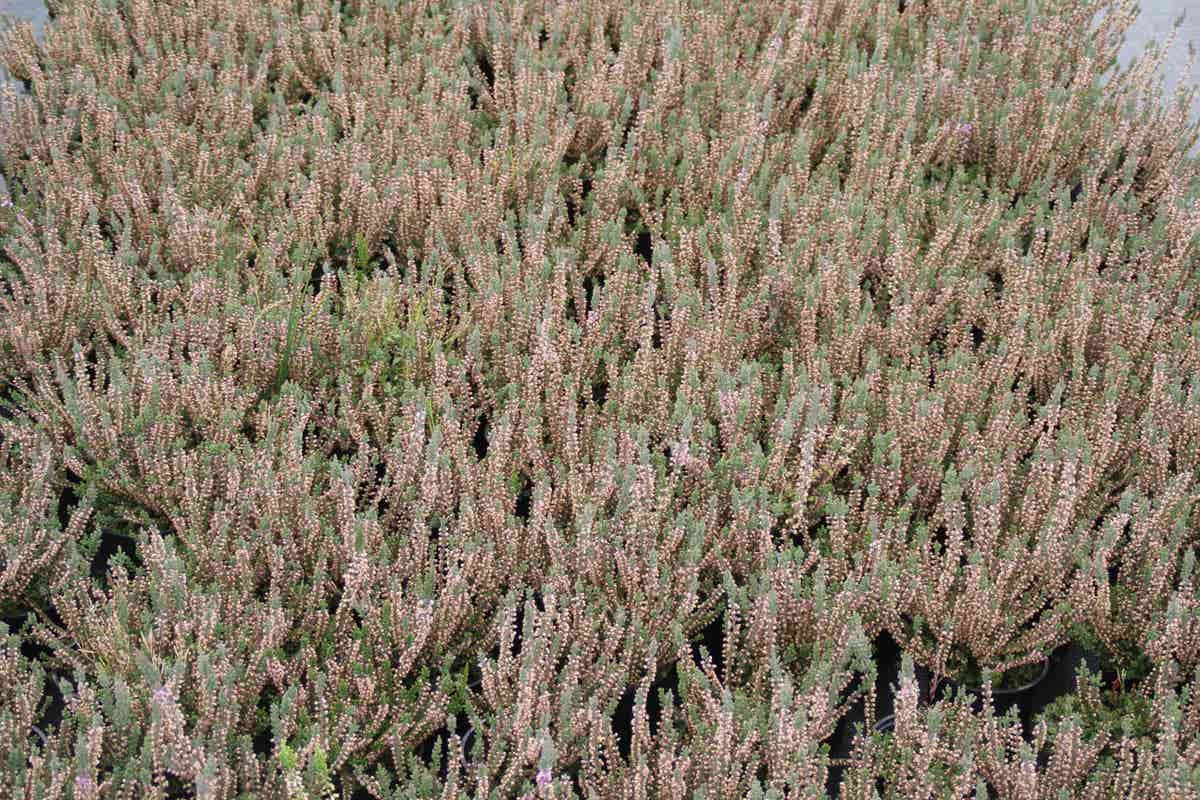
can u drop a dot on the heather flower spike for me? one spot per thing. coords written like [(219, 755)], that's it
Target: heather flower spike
[(376, 376)]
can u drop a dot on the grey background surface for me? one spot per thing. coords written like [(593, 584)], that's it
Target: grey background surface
[(1154, 22)]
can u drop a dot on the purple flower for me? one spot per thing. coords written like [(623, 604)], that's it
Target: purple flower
[(543, 778), (965, 129), (162, 695), (84, 783)]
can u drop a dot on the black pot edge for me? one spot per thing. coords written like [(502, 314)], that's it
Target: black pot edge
[(950, 683)]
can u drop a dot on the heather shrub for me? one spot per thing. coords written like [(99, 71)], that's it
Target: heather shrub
[(514, 400)]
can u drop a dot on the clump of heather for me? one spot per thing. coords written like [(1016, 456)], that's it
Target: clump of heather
[(584, 399)]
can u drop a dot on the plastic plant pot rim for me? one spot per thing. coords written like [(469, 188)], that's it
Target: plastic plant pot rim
[(12, 616), (887, 723), (1022, 688), (946, 680), (467, 737)]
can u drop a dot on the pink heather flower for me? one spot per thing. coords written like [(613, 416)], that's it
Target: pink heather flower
[(965, 129), (682, 453), (543, 778), (162, 695), (728, 402)]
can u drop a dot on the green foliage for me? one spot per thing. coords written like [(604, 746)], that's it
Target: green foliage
[(966, 670), (454, 684), (1127, 659), (404, 344), (1109, 710), (287, 758), (318, 775), (361, 253)]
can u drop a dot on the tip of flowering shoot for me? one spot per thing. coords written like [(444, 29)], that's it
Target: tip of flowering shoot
[(965, 129)]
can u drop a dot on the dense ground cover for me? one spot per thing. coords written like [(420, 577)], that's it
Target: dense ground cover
[(595, 399)]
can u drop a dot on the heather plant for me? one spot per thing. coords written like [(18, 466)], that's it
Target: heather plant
[(405, 342), (925, 756), (35, 543), (533, 399), (1102, 714), (1138, 619), (992, 601), (1174, 640)]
